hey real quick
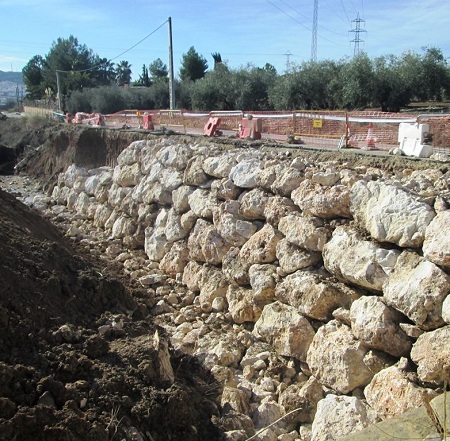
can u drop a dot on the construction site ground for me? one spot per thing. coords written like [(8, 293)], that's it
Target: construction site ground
[(54, 296)]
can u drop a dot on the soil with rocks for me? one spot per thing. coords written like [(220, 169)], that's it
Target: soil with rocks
[(78, 357), (81, 352)]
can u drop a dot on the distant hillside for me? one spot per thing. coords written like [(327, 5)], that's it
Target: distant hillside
[(14, 77)]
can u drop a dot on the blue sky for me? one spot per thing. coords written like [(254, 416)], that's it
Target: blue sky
[(253, 31)]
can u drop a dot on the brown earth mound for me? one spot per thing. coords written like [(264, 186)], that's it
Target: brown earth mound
[(77, 360)]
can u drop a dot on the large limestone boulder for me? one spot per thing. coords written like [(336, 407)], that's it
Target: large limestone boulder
[(212, 285), (261, 247), (277, 207), (219, 166), (245, 173), (193, 275), (122, 227), (377, 326), (179, 226), (127, 175), (338, 416), (352, 259), (180, 198), (417, 288), (202, 203), (253, 203), (176, 259), (72, 174), (230, 224), (431, 353), (304, 231), (234, 268), (224, 189), (131, 154), (292, 258), (285, 329), (339, 361), (206, 244), (322, 201), (390, 213), (175, 156), (287, 181), (170, 179), (391, 392), (313, 295), (156, 244), (263, 280), (241, 305), (436, 246), (194, 174)]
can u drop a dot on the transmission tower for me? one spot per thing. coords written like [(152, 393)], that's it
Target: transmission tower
[(314, 32), (288, 60), (357, 31)]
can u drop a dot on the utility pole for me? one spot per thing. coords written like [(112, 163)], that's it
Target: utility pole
[(171, 85), (314, 31), (58, 87), (357, 31)]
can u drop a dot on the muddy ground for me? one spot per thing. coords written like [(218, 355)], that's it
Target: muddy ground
[(78, 358)]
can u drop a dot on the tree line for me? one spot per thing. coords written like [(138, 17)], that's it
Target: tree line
[(92, 84)]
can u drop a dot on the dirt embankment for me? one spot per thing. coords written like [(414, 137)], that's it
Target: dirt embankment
[(78, 358)]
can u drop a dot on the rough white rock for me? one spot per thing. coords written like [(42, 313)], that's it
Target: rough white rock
[(131, 154), (303, 397), (292, 258), (127, 175), (206, 244), (377, 326), (180, 198), (261, 247), (219, 166), (202, 203), (431, 354), (176, 259), (253, 203), (304, 231), (287, 181), (194, 174), (325, 202), (176, 156), (391, 392), (225, 190), (417, 288), (285, 329), (245, 173), (263, 279), (276, 208), (230, 224), (241, 305), (339, 361), (436, 246), (352, 259), (338, 416), (313, 295), (390, 213)]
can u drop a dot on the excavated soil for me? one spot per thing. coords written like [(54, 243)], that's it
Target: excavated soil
[(60, 377)]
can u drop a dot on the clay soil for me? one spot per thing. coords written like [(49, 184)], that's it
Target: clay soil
[(60, 378)]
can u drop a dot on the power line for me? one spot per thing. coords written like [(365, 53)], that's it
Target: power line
[(114, 58)]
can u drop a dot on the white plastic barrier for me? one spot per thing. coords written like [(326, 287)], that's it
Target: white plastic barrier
[(412, 137)]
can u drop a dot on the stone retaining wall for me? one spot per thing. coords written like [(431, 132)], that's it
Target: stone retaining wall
[(315, 287)]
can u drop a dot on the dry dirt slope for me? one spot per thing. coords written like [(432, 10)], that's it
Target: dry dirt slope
[(60, 378)]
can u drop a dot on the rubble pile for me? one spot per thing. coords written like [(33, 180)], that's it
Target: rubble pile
[(317, 294)]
